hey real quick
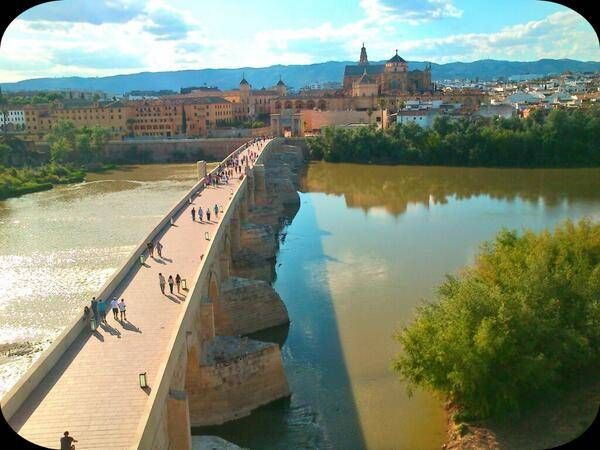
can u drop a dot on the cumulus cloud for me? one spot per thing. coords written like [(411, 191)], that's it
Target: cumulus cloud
[(556, 36), (413, 12), (85, 11), (166, 25)]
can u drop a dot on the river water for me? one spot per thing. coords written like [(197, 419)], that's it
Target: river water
[(368, 244)]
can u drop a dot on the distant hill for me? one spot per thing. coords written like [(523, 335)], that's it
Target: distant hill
[(295, 76)]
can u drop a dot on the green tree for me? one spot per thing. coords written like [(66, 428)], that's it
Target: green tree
[(61, 150)]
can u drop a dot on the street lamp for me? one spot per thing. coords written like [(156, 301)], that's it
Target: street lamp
[(143, 380)]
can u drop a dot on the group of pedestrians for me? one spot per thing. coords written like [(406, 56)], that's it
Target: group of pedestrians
[(232, 166), (99, 309), (151, 246), (201, 212), (171, 281)]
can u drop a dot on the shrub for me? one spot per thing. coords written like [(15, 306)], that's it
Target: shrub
[(515, 325)]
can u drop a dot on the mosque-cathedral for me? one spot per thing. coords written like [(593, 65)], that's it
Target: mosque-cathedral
[(391, 78)]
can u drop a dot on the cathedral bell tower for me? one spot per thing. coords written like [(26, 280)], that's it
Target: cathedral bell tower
[(363, 61)]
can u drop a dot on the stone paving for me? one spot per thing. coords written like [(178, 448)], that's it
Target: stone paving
[(93, 391)]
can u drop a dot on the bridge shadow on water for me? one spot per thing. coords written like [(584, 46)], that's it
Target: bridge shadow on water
[(321, 412)]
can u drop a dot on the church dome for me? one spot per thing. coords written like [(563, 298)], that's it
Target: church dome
[(396, 59)]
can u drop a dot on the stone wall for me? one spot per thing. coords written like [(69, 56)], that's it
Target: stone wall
[(246, 306), (257, 242), (235, 377), (164, 150)]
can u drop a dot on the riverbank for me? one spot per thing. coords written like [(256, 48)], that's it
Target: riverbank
[(16, 182), (553, 422), (534, 142)]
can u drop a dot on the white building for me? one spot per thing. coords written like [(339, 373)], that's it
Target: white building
[(422, 117), (14, 117)]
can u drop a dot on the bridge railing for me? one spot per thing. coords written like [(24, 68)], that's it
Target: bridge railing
[(150, 422), (16, 396)]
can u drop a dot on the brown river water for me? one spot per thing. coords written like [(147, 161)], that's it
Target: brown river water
[(368, 244)]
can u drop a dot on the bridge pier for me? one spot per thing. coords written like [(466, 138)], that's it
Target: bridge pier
[(234, 231), (260, 187), (178, 420)]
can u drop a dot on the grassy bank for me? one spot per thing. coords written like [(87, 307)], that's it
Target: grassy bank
[(19, 181)]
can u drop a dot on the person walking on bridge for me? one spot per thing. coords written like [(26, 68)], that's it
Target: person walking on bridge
[(208, 214), (162, 282), (171, 283), (150, 246), (159, 248), (102, 311), (200, 214), (122, 309), (114, 304), (216, 212), (178, 283), (66, 442), (194, 214)]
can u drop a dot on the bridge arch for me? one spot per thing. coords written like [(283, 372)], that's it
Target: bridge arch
[(288, 104), (310, 104)]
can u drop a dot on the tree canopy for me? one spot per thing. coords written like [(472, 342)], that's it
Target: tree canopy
[(69, 144), (560, 138)]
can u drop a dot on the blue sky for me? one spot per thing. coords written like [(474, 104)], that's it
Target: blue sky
[(107, 37)]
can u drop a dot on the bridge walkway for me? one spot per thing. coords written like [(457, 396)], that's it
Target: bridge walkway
[(93, 391)]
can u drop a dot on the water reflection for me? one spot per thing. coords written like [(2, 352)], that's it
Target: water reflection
[(395, 187)]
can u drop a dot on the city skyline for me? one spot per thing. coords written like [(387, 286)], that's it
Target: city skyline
[(101, 38)]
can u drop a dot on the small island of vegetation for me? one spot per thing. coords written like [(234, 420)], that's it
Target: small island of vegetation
[(559, 138)]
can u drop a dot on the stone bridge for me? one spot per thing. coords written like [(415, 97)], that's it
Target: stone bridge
[(200, 369)]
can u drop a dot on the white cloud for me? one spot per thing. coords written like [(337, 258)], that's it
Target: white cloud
[(556, 36), (413, 12)]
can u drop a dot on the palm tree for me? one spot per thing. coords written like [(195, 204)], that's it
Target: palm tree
[(382, 105)]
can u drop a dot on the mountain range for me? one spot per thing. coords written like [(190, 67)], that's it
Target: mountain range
[(295, 76)]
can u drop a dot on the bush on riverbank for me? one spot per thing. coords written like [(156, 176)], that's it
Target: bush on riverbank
[(15, 182), (562, 138), (514, 326)]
